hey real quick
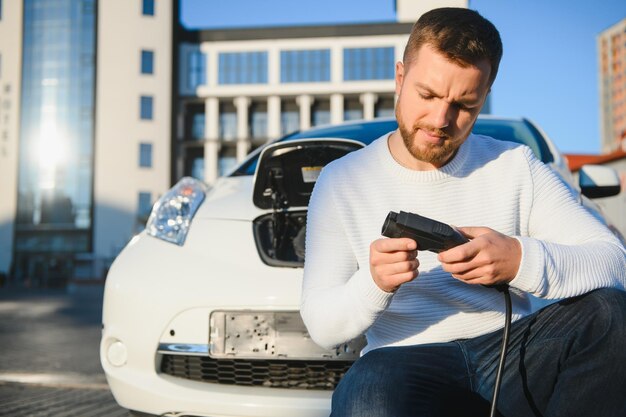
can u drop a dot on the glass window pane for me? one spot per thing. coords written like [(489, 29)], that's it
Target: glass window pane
[(147, 62), (145, 155), (196, 69), (289, 121), (148, 8), (305, 66), (197, 168), (368, 63), (258, 121), (146, 108), (197, 126), (242, 68), (228, 126), (56, 125), (144, 205)]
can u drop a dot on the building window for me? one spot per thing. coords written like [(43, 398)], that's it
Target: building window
[(227, 160), (145, 155), (197, 69), (320, 112), (197, 126), (147, 8), (228, 126), (385, 107), (227, 122), (289, 117), (144, 207), (197, 168), (242, 68), (305, 66), (57, 75), (147, 62), (146, 105), (0, 9), (368, 64), (258, 120), (352, 109)]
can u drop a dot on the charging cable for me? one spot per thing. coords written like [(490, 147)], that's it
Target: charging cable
[(504, 289)]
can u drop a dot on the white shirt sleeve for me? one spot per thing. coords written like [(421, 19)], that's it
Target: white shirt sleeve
[(567, 252), (340, 300)]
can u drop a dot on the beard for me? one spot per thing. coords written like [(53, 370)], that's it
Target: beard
[(435, 154)]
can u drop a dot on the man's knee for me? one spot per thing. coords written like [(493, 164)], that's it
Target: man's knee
[(367, 388), (605, 305), (404, 381), (604, 322)]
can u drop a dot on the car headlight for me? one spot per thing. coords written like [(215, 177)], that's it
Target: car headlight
[(171, 215)]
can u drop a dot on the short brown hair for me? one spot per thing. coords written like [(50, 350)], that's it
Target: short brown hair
[(462, 35)]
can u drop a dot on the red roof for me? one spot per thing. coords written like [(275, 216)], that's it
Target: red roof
[(576, 161)]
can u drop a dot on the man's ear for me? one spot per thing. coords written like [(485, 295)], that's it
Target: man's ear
[(399, 76)]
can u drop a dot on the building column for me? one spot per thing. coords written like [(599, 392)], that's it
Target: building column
[(305, 102), (336, 64), (242, 104), (273, 65), (273, 117), (212, 140), (336, 108), (368, 100)]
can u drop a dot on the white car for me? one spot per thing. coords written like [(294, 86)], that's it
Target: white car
[(200, 310)]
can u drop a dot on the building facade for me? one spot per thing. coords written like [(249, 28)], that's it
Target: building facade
[(612, 86), (86, 88), (256, 85), (105, 104)]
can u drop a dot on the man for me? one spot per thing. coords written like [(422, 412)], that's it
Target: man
[(433, 330)]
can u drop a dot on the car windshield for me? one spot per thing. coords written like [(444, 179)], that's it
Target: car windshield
[(517, 131)]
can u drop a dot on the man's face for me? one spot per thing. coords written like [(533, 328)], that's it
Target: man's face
[(438, 103)]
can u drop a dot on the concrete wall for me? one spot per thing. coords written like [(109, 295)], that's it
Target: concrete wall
[(123, 32), (10, 84), (410, 10)]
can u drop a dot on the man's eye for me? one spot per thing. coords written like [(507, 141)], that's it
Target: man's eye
[(426, 97)]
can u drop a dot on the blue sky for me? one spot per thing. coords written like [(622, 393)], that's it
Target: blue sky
[(549, 68)]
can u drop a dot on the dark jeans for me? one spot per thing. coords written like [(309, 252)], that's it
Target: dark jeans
[(569, 359)]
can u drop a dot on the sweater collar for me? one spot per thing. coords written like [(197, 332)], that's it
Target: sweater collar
[(451, 169)]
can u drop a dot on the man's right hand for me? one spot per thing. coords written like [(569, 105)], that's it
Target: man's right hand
[(393, 262)]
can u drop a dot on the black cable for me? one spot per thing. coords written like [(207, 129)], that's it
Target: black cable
[(505, 342)]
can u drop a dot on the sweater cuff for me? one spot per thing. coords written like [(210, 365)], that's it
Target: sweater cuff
[(530, 275), (374, 298)]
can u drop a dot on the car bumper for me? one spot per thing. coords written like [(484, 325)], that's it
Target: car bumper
[(158, 394), (159, 293)]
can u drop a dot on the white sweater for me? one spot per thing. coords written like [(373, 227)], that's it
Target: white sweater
[(565, 250)]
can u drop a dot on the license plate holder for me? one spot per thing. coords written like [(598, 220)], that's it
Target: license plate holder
[(270, 335)]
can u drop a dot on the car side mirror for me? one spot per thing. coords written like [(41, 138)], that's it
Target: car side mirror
[(597, 181)]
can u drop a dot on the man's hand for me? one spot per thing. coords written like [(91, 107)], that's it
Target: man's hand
[(489, 258), (393, 262)]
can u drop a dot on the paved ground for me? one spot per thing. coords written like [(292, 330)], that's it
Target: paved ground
[(44, 401), (49, 363)]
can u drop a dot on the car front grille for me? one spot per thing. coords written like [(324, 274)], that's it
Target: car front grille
[(314, 375)]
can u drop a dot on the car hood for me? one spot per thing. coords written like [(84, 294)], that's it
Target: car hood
[(230, 198)]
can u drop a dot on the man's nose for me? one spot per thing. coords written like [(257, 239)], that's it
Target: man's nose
[(441, 114)]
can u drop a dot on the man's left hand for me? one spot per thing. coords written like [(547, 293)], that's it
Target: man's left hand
[(489, 258)]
